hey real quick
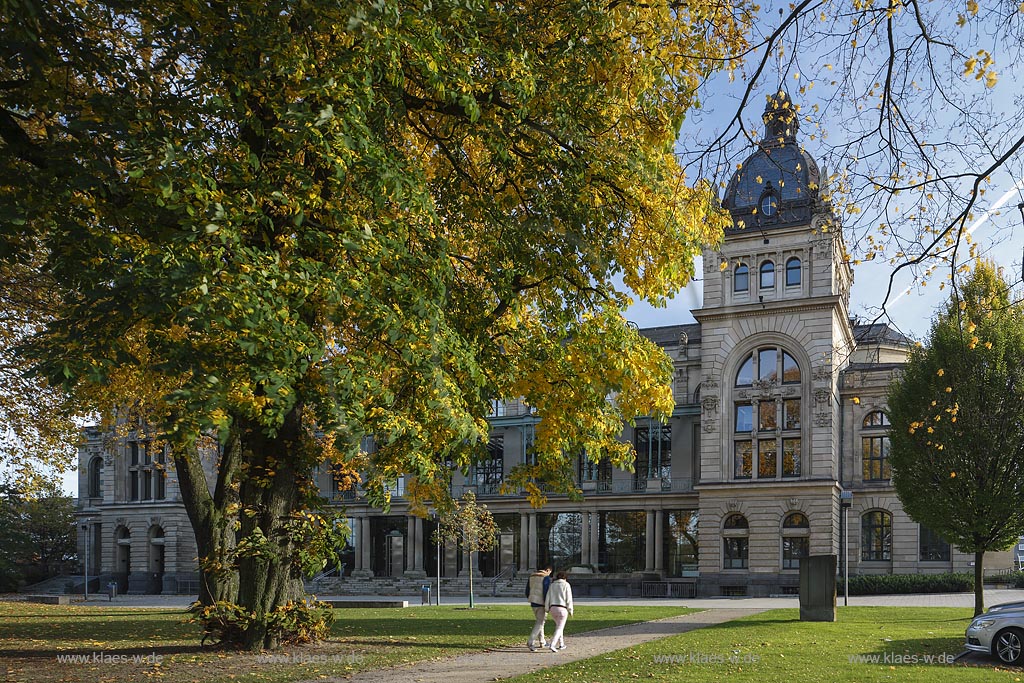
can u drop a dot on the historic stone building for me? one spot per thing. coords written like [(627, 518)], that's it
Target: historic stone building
[(780, 409)]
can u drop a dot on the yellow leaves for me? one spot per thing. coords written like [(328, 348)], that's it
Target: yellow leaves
[(949, 390), (952, 475), (940, 372), (971, 327), (973, 343), (972, 7), (723, 265), (856, 400)]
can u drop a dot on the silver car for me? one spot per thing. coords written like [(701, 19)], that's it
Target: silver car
[(999, 632)]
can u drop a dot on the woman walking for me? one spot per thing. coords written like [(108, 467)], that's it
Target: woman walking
[(558, 603)]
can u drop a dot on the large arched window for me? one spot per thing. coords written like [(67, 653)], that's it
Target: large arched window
[(767, 276), (876, 536), (735, 542), (741, 279), (793, 272), (796, 532), (875, 447), (767, 429), (96, 477)]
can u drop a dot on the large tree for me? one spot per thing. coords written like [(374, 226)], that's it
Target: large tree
[(957, 416), (367, 219)]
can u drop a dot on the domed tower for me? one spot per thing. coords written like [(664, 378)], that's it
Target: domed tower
[(775, 333)]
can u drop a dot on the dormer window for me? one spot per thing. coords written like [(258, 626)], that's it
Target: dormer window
[(769, 205)]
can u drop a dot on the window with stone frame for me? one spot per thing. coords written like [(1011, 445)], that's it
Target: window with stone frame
[(766, 280), (594, 471), (932, 547), (735, 542), (767, 431), (653, 443), (741, 279), (796, 531), (875, 447), (876, 536), (793, 272), (96, 477)]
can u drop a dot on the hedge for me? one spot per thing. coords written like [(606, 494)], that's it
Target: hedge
[(886, 584)]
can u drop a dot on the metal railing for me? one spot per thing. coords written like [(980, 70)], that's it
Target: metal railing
[(506, 574), (668, 589)]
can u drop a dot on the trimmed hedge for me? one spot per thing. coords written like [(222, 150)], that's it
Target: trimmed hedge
[(1016, 579), (887, 584)]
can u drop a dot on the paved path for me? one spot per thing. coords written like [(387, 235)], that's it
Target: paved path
[(498, 664)]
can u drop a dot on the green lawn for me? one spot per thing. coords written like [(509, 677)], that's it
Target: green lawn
[(776, 647), (34, 637)]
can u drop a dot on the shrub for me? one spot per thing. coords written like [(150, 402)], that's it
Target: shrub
[(1015, 579), (885, 584), (295, 623)]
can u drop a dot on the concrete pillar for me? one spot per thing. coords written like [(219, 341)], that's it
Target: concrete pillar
[(533, 542), (649, 542), (595, 538), (584, 538), (659, 541), (367, 547), (357, 541), (524, 541)]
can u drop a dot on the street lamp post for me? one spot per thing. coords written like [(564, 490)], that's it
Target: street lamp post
[(846, 500), (86, 527)]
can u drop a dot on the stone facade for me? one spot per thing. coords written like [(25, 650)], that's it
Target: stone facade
[(780, 409)]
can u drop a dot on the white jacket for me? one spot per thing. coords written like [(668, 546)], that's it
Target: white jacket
[(560, 593)]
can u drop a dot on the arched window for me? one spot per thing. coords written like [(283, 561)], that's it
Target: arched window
[(796, 532), (876, 536), (875, 447), (735, 542), (793, 272), (96, 477), (741, 279), (767, 428), (767, 275)]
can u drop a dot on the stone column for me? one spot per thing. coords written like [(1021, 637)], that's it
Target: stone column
[(533, 542), (584, 537), (595, 538), (524, 542), (417, 547), (367, 550), (357, 536), (649, 542), (410, 540), (659, 541)]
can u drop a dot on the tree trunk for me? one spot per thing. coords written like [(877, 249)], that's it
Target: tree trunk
[(979, 583), (269, 494), (211, 522)]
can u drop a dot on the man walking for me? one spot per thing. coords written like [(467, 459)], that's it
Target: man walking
[(536, 591)]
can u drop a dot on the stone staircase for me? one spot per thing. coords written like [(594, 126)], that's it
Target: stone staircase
[(60, 585)]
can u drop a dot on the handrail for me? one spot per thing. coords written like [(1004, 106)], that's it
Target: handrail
[(507, 573)]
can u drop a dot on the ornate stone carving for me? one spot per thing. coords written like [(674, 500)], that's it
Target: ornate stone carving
[(154, 520), (823, 397), (822, 373), (733, 506), (795, 504), (823, 419), (791, 391), (710, 405), (709, 383), (743, 393), (709, 426), (121, 521)]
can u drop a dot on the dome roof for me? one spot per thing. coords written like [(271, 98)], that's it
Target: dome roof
[(779, 183)]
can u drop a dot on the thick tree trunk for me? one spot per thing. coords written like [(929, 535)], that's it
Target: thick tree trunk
[(979, 583), (269, 494), (211, 521)]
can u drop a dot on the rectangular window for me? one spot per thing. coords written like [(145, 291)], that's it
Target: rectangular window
[(793, 550), (743, 464), (134, 448), (133, 485), (791, 413), (735, 554), (653, 443), (766, 365), (146, 456), (767, 459), (744, 418), (932, 547), (791, 457), (147, 484), (528, 432), (875, 452), (161, 485), (488, 471), (767, 419)]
